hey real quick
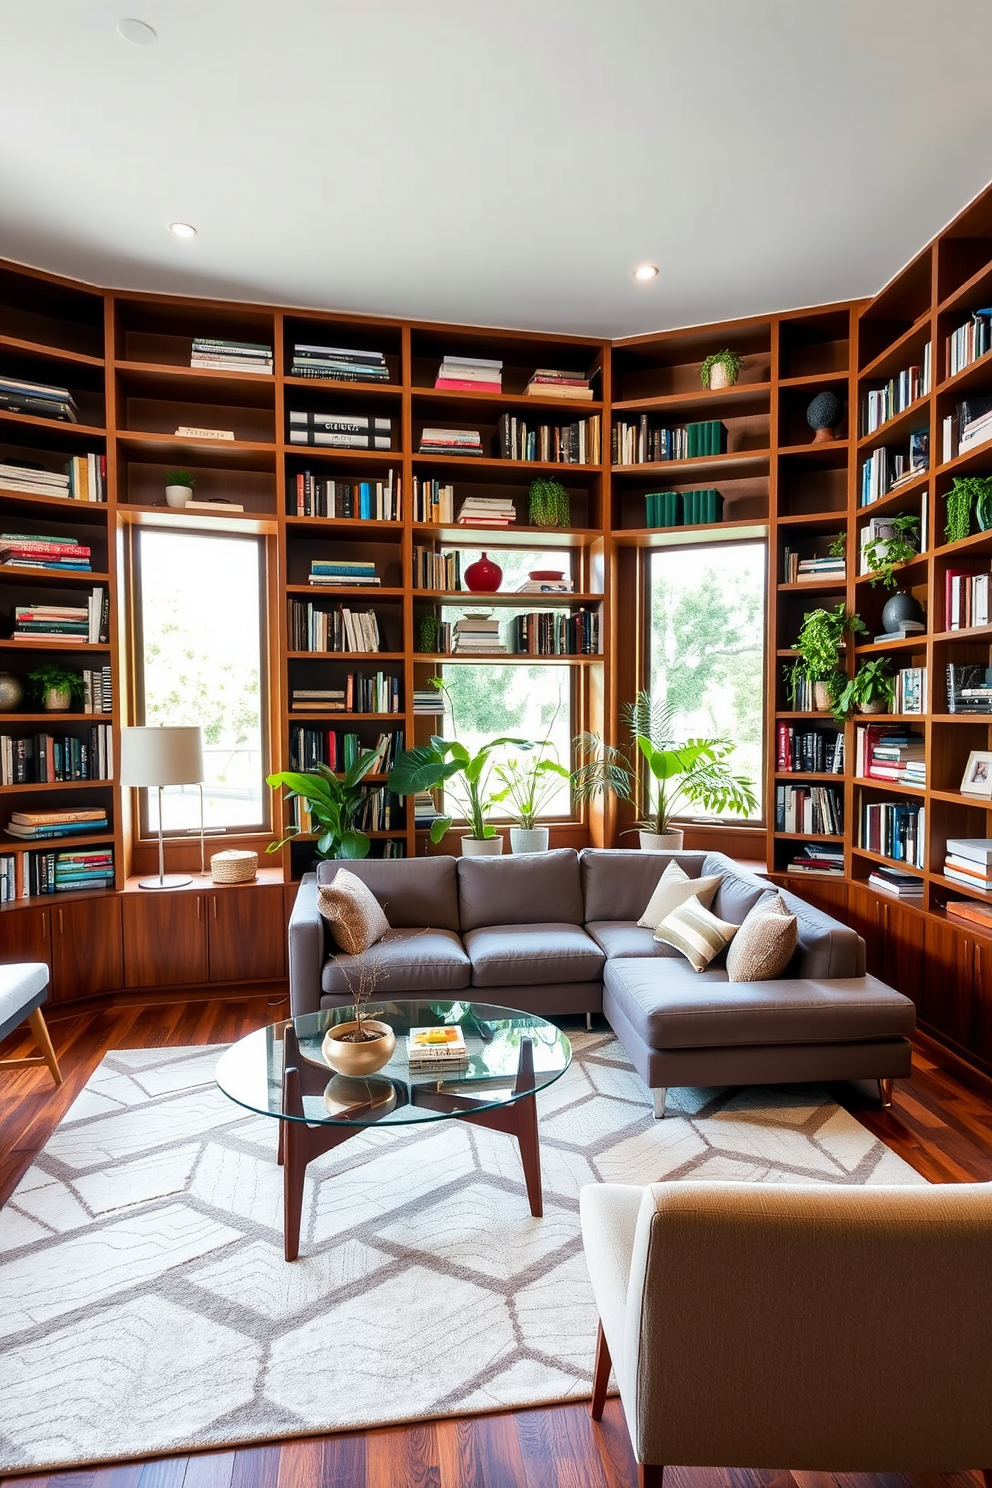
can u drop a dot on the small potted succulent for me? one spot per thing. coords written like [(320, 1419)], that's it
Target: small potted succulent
[(549, 504), (720, 369), (55, 687), (179, 487), (870, 690)]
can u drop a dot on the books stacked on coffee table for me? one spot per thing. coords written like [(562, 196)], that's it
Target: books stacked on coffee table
[(436, 1050), (338, 364), (451, 442), (39, 399), (221, 355)]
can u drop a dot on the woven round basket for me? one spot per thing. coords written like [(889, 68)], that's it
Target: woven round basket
[(233, 866)]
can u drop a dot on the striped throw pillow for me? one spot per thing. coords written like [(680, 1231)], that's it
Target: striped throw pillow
[(352, 912), (696, 932)]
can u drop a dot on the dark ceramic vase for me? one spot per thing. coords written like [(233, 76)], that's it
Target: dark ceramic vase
[(900, 608), (823, 415), (483, 576)]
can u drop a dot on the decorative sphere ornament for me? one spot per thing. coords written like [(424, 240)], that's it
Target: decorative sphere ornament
[(484, 576), (823, 415), (900, 608), (11, 692)]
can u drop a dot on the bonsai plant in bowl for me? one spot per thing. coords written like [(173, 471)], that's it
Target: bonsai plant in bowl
[(870, 690), (696, 772), (821, 636), (363, 1044), (55, 687), (333, 803), (528, 785), (549, 504), (179, 487), (720, 369)]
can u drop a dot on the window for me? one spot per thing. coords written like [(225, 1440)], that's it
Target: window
[(200, 662), (706, 646)]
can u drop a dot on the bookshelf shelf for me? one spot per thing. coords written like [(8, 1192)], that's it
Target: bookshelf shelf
[(51, 353), (300, 716), (506, 600), (892, 500), (810, 836), (165, 380), (813, 585), (48, 576), (351, 527), (507, 658), (55, 785), (874, 857), (235, 454), (746, 396), (515, 536), (358, 457), (896, 353), (356, 591), (900, 426), (797, 776), (333, 386), (57, 643), (896, 787), (64, 506), (744, 462), (51, 844), (462, 465), (814, 380), (977, 286), (664, 537), (976, 372), (564, 410), (907, 643), (357, 656), (830, 452), (59, 427)]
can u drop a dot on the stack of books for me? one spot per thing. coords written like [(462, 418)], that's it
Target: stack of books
[(546, 586), (969, 862), (39, 399), (318, 699), (98, 690), (968, 342), (62, 555), (560, 444), (809, 751), (966, 595), (32, 826), (85, 869), (476, 634), (884, 753), (968, 909), (433, 570), (338, 364), (820, 858), (894, 829), (75, 624), (809, 808), (639, 444), (552, 382), (340, 430), (230, 356), (470, 375), (882, 404), (893, 881), (424, 809), (433, 501), (969, 426), (910, 690), (451, 442), (436, 1050), (50, 759), (487, 511), (969, 687), (313, 629), (343, 572), (428, 700), (366, 501), (25, 874), (796, 570)]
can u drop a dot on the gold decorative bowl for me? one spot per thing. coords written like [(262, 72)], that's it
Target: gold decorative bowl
[(358, 1059)]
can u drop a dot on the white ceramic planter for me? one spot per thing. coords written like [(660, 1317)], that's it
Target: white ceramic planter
[(177, 495), (662, 841), (482, 847), (529, 839)]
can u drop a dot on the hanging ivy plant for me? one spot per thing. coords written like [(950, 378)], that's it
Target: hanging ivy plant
[(968, 492)]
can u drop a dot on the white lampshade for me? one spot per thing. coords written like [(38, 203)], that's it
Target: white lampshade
[(161, 756)]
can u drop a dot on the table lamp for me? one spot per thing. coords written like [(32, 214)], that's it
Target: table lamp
[(165, 755)]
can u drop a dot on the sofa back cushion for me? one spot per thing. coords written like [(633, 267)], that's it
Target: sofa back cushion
[(414, 892), (738, 892), (617, 884), (826, 947), (532, 889)]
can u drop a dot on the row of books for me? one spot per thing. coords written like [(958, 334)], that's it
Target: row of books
[(340, 430), (894, 829), (819, 859), (884, 469), (966, 595), (578, 443), (884, 403), (53, 758), (343, 573), (882, 752), (896, 882), (683, 508), (28, 875), (310, 747), (82, 478), (809, 751), (340, 629), (381, 811), (910, 695), (804, 699), (38, 399), (969, 426), (70, 624), (969, 342), (61, 555), (424, 808), (797, 570), (338, 364), (375, 692), (219, 354), (809, 808), (968, 862), (34, 826), (969, 687), (433, 501), (556, 633), (640, 444), (366, 501), (433, 570)]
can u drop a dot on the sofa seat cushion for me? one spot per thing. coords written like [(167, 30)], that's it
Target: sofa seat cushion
[(407, 962), (627, 938), (673, 1007), (519, 955)]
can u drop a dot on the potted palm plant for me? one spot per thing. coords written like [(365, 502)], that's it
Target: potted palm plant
[(528, 784), (333, 803), (696, 772)]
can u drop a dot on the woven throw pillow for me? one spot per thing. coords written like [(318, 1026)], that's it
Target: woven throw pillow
[(352, 911), (696, 932), (764, 945), (674, 887)]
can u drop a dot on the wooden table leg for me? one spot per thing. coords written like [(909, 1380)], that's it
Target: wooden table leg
[(518, 1119), (299, 1143)]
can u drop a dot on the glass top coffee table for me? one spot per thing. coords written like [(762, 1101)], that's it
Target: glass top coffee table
[(280, 1072)]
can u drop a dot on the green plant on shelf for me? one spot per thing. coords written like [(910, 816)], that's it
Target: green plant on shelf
[(838, 548), (179, 478), (821, 636), (967, 493), (549, 504), (728, 360), (50, 678), (884, 554), (428, 634), (333, 804), (871, 685)]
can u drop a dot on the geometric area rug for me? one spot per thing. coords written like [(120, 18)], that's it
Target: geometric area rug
[(145, 1306)]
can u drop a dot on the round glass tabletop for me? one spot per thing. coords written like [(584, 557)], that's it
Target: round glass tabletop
[(501, 1045)]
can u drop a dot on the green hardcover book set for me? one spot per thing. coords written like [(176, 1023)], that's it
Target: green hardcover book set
[(709, 438), (684, 509)]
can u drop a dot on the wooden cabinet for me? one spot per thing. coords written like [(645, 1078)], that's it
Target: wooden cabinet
[(946, 1004), (165, 938), (25, 935), (246, 933), (87, 948), (894, 939)]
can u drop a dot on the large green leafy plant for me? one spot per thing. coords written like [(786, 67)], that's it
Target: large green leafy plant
[(820, 638), (528, 784), (333, 804), (672, 775)]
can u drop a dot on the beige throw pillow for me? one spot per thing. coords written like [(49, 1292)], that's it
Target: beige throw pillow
[(764, 945), (674, 887), (696, 932), (352, 911)]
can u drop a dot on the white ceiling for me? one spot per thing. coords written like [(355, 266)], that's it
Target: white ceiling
[(493, 161)]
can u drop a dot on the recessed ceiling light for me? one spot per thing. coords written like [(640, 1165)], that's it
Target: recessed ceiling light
[(645, 272), (137, 32), (182, 229)]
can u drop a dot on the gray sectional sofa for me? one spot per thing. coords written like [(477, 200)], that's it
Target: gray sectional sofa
[(557, 932)]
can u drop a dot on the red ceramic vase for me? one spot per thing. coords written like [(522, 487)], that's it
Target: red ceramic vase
[(483, 576)]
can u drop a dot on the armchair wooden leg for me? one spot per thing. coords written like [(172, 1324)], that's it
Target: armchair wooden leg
[(987, 1475), (601, 1376), (649, 1475), (885, 1094), (40, 1030)]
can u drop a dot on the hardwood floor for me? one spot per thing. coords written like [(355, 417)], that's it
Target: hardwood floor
[(941, 1126)]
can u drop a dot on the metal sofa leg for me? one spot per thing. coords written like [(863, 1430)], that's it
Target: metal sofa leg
[(660, 1094), (885, 1094), (589, 1022)]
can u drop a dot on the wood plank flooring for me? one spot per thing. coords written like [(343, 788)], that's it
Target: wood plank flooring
[(941, 1126)]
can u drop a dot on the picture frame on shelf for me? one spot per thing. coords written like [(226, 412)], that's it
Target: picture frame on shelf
[(977, 778)]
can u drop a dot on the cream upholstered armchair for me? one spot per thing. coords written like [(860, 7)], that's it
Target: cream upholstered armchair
[(808, 1327)]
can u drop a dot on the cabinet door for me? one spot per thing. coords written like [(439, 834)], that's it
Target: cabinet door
[(247, 933), (864, 917), (165, 938), (981, 1004), (901, 958), (945, 1001), (86, 939), (25, 935)]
